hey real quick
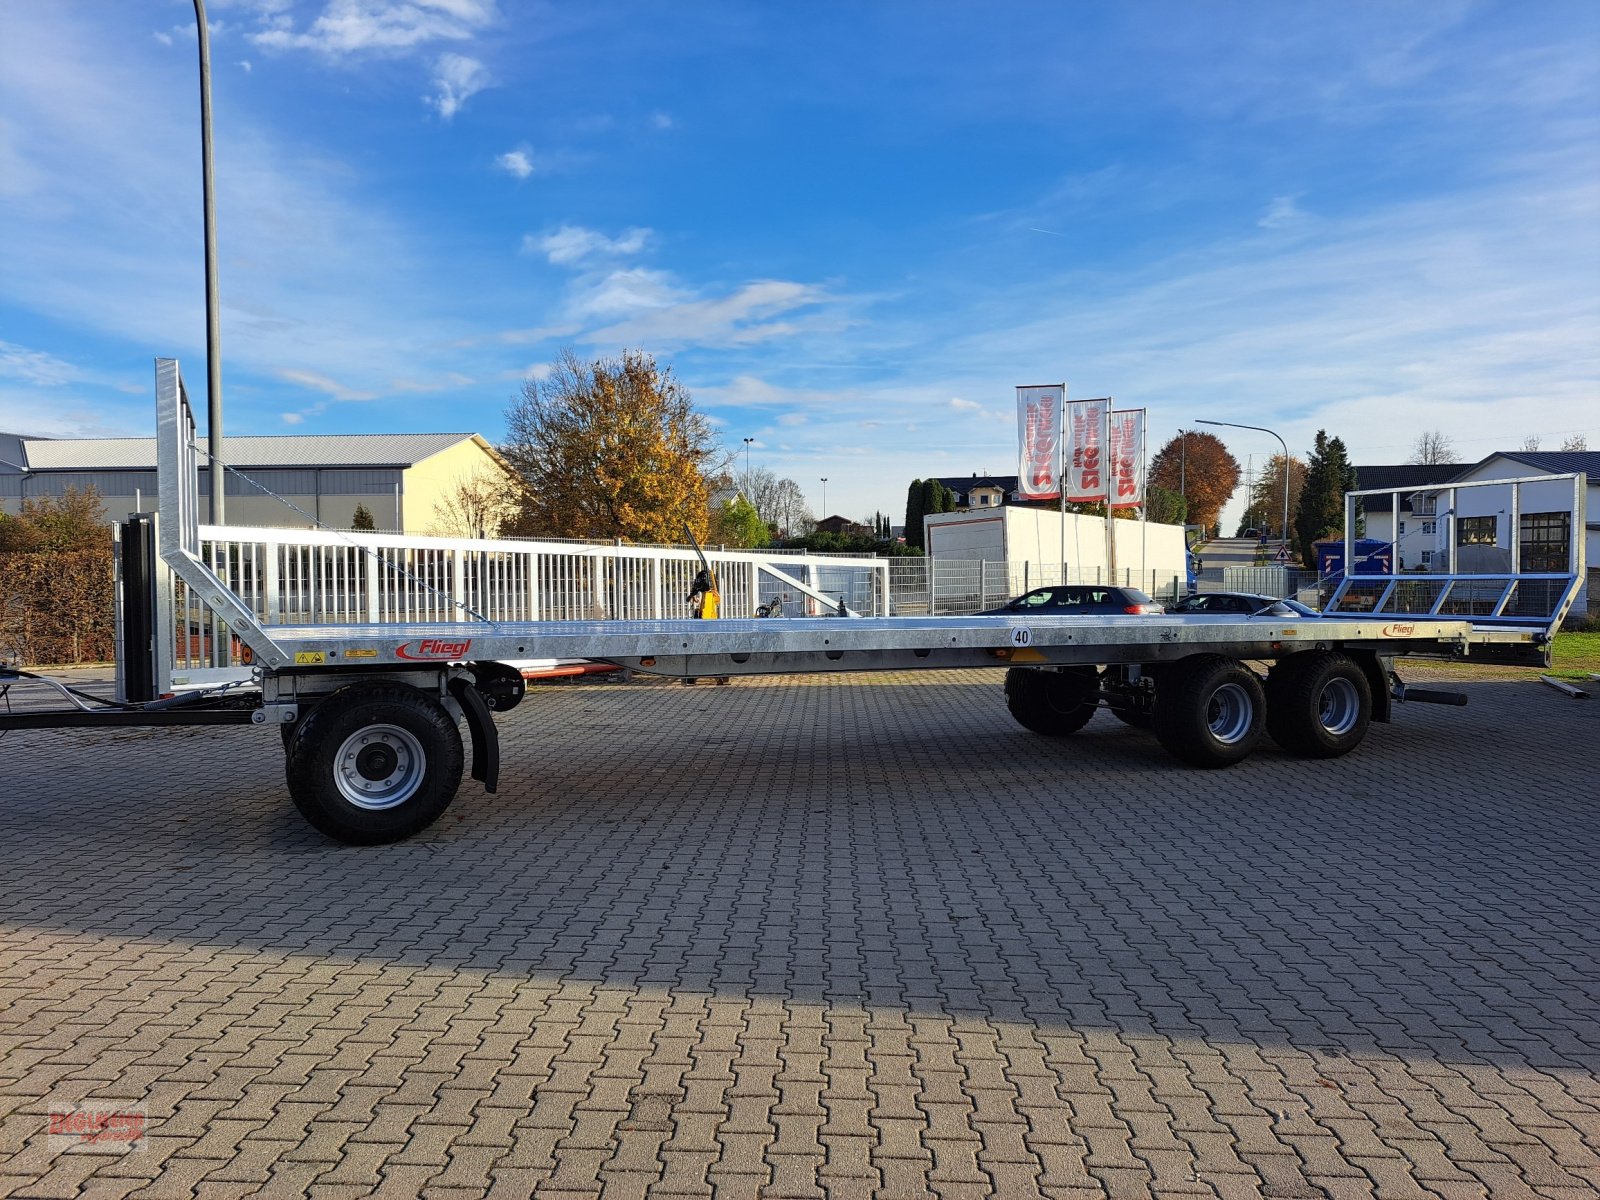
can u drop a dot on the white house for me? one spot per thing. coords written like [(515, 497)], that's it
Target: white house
[(1544, 533), (1412, 533)]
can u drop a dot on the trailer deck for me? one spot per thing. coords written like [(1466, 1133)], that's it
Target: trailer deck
[(752, 646)]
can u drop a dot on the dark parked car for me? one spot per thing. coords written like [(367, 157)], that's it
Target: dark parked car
[(1077, 600), (1240, 603)]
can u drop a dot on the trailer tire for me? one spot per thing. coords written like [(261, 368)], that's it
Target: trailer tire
[(1319, 704), (1209, 711), (375, 763), (1054, 703)]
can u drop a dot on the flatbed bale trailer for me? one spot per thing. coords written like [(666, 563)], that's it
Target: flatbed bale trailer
[(370, 714)]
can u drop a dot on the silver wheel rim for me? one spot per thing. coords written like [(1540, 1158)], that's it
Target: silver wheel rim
[(1230, 713), (1338, 707), (379, 766)]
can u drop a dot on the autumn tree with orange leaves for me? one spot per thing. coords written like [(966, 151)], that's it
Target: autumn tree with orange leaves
[(610, 449), (1204, 472)]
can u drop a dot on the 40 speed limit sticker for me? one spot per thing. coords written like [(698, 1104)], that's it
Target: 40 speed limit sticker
[(1022, 636)]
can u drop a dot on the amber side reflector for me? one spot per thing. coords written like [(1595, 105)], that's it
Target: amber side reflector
[(647, 662)]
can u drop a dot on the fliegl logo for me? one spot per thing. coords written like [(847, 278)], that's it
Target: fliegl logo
[(433, 650), (1399, 629)]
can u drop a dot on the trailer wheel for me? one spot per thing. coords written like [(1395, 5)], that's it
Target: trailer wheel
[(1054, 703), (1319, 704), (374, 762), (1209, 711)]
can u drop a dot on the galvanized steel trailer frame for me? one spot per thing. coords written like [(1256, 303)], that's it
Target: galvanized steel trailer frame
[(369, 712)]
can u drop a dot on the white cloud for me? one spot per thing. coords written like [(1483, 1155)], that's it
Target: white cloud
[(456, 79), (35, 366), (573, 244), (245, 63), (291, 418), (741, 318), (1284, 210), (356, 26), (321, 383), (960, 405), (622, 293), (661, 120), (164, 38), (515, 162)]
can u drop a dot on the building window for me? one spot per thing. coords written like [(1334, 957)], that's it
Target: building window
[(1402, 529), (1427, 558), (1545, 541), (1429, 528), (1475, 531)]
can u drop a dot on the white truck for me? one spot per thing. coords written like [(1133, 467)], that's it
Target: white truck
[(370, 713)]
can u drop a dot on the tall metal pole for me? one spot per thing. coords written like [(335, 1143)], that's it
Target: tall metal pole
[(1285, 445), (1183, 474), (747, 442), (213, 320), (824, 497)]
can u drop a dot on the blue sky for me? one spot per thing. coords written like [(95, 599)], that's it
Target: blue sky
[(851, 229)]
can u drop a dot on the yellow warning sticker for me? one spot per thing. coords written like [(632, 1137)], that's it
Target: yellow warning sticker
[(309, 658), (361, 654)]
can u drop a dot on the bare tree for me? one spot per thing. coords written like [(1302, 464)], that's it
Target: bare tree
[(780, 502), (1434, 449), (790, 512), (1576, 442), (476, 505), (1530, 443)]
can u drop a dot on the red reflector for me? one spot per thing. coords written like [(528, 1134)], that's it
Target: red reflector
[(1135, 609)]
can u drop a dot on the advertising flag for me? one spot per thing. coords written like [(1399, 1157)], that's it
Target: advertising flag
[(1085, 451), (1126, 458), (1039, 441)]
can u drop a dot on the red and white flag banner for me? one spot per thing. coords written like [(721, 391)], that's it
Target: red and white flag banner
[(1039, 441), (1126, 458), (1085, 455)]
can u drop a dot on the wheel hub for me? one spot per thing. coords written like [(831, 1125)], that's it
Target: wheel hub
[(1229, 713), (379, 767), (1338, 707), (376, 762)]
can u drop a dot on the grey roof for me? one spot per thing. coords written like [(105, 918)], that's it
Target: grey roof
[(1408, 477), (1549, 462), (293, 450)]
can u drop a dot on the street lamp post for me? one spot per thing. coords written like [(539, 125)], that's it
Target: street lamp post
[(1183, 471), (747, 444), (1285, 445), (824, 497), (217, 486)]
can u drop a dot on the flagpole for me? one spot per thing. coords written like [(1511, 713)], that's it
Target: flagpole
[(1061, 478), (1144, 496), (1108, 466)]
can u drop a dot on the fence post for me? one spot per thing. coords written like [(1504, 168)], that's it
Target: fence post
[(458, 581), (271, 607)]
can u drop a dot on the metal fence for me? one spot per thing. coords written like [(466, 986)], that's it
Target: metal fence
[(313, 577)]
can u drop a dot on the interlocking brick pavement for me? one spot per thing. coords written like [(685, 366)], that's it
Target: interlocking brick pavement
[(841, 937)]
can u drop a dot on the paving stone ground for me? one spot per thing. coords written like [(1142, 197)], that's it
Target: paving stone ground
[(839, 937)]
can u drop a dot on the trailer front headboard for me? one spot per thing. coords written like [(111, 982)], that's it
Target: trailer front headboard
[(178, 481)]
